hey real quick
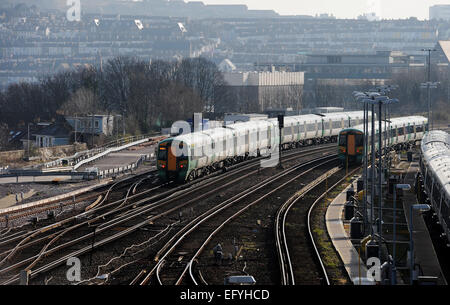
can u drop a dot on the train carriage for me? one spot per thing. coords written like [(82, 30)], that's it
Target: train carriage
[(435, 169), (402, 131), (210, 150)]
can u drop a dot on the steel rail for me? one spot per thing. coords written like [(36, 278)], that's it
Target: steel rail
[(118, 235), (241, 196), (310, 231), (284, 258)]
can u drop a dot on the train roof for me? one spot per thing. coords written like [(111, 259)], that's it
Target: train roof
[(394, 122), (435, 149)]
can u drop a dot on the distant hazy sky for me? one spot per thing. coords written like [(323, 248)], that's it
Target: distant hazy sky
[(387, 9)]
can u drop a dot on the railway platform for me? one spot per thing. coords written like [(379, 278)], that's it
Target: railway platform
[(120, 158), (353, 264), (425, 255), (9, 209)]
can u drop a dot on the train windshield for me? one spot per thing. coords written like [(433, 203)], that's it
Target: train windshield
[(162, 153), (359, 140), (343, 140)]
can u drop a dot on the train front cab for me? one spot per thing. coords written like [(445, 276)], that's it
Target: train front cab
[(171, 167), (351, 146)]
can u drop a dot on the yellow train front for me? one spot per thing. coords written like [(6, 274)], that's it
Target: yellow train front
[(351, 146)]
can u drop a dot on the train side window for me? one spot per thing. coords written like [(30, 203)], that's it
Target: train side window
[(410, 129), (419, 128), (393, 132), (401, 131)]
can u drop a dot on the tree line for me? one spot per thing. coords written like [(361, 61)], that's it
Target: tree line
[(147, 95)]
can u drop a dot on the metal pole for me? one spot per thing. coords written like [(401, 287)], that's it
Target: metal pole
[(76, 118), (365, 165), (372, 193), (92, 129), (380, 170), (411, 245), (280, 166), (429, 87), (367, 160), (394, 268), (385, 133), (28, 141), (389, 141)]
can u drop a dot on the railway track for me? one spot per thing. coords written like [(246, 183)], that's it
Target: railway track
[(304, 211), (176, 267), (57, 206), (125, 212), (311, 270)]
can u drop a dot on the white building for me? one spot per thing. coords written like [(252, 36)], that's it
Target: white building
[(96, 124), (261, 91)]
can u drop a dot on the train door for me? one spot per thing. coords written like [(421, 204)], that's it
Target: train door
[(171, 159), (351, 145), (331, 127), (317, 129), (306, 129), (408, 130)]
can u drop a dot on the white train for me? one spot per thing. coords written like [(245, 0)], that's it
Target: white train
[(435, 168), (199, 153), (403, 132)]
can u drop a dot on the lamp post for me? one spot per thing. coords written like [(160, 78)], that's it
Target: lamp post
[(374, 98), (359, 97), (429, 85), (394, 245), (422, 208)]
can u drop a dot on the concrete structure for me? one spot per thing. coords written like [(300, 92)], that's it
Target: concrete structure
[(260, 91), (354, 68), (440, 12), (353, 264)]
